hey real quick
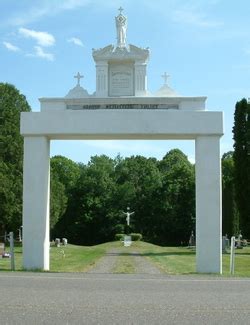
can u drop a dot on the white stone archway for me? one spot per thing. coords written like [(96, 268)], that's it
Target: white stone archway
[(62, 118)]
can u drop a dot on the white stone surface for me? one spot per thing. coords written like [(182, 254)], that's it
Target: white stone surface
[(121, 124), (166, 91), (121, 70), (121, 29), (205, 127), (180, 103), (77, 92), (121, 109), (121, 79), (36, 183), (208, 204)]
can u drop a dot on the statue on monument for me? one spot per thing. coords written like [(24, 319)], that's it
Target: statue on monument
[(121, 28), (128, 214)]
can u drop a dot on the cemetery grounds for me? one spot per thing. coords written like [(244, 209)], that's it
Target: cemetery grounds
[(168, 260)]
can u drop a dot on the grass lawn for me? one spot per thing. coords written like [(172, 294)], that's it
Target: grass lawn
[(70, 258), (171, 260), (181, 260)]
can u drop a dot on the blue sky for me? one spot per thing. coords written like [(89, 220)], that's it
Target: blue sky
[(203, 45)]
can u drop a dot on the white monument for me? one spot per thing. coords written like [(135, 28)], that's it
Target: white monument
[(121, 69), (121, 108)]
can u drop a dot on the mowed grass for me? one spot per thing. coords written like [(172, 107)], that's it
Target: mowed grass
[(182, 260), (171, 260), (70, 258)]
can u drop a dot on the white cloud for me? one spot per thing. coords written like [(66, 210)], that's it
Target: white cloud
[(194, 18), (42, 38), (11, 47), (39, 52), (43, 8), (191, 159), (75, 41)]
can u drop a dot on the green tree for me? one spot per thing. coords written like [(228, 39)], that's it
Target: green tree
[(138, 182), (177, 211), (241, 132), (230, 215), (12, 103), (58, 201), (64, 176), (160, 193), (89, 215), (67, 171)]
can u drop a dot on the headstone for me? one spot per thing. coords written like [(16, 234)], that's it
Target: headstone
[(57, 242), (2, 248), (64, 241), (127, 241), (225, 244), (20, 235), (239, 239), (192, 239)]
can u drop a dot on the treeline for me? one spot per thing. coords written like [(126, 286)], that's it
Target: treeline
[(87, 200), (12, 103)]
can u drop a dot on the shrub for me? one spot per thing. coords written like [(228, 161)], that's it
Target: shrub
[(136, 237), (119, 236)]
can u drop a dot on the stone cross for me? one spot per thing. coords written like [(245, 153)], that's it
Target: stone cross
[(78, 77), (165, 76), (121, 10)]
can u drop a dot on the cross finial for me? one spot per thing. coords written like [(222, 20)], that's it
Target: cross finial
[(121, 10), (78, 77), (165, 76)]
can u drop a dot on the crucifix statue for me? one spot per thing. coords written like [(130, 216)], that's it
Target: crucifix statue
[(78, 77), (128, 214), (165, 76)]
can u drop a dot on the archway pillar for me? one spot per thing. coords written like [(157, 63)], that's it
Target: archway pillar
[(208, 204), (36, 188), (56, 122)]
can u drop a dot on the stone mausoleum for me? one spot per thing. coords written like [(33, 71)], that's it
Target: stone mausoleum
[(122, 108)]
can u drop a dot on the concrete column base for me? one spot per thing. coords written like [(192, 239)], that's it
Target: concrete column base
[(208, 205), (36, 183)]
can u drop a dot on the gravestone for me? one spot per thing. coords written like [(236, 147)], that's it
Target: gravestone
[(57, 242), (127, 241), (2, 249), (239, 239), (225, 244), (191, 240)]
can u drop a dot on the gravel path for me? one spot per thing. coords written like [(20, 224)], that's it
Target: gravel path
[(107, 263), (143, 265)]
